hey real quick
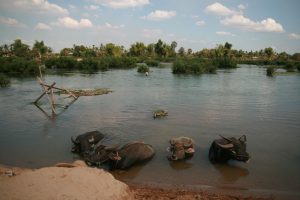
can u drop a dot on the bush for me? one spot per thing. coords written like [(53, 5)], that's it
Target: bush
[(143, 68), (152, 63), (298, 66), (225, 63), (62, 62), (193, 66), (18, 66), (122, 62), (88, 64), (290, 67), (270, 71), (4, 81)]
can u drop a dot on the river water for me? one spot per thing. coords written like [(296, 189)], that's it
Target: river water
[(231, 103)]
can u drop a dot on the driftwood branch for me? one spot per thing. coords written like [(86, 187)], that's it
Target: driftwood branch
[(44, 88), (48, 90)]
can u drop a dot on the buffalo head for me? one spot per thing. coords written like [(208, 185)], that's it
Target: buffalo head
[(224, 149), (181, 148), (84, 142), (102, 154)]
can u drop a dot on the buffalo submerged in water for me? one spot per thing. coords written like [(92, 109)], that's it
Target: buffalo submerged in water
[(181, 148), (224, 149), (121, 157), (90, 146)]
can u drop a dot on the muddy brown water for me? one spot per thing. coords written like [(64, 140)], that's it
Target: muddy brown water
[(231, 103)]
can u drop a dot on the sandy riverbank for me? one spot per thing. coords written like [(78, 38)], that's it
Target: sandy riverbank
[(76, 181)]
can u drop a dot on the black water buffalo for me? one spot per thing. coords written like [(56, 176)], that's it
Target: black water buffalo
[(181, 148), (84, 143), (121, 157), (224, 149)]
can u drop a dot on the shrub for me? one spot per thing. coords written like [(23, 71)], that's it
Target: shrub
[(143, 68), (225, 63), (122, 62), (62, 62), (4, 81), (290, 67), (152, 63), (270, 71), (193, 66), (18, 66), (88, 64), (298, 66)]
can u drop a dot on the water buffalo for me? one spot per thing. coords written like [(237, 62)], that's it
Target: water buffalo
[(85, 142), (121, 157), (181, 148), (224, 149)]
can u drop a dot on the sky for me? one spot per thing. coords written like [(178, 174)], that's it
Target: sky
[(195, 24)]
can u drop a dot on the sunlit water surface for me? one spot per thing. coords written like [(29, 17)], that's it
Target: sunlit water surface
[(231, 103)]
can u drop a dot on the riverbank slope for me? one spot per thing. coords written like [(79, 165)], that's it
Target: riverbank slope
[(76, 181)]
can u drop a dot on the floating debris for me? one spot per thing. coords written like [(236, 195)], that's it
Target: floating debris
[(87, 92), (160, 113)]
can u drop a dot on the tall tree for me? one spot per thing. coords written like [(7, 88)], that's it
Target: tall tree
[(137, 49), (40, 49), (19, 49), (159, 48), (181, 52), (269, 52)]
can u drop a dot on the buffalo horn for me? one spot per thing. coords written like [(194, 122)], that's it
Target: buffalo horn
[(72, 139)]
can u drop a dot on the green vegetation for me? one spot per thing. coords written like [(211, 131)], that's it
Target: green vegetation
[(18, 66), (19, 58), (143, 68), (270, 71), (193, 66), (290, 67), (152, 63), (4, 81)]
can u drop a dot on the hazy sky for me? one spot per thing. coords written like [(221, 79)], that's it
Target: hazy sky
[(196, 24)]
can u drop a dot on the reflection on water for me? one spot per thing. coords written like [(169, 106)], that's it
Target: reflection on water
[(180, 165), (231, 173), (231, 103)]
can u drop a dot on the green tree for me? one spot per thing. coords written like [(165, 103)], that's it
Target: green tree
[(173, 47), (113, 50), (181, 52), (40, 49), (159, 48), (137, 49), (19, 49), (189, 52), (269, 52), (150, 50)]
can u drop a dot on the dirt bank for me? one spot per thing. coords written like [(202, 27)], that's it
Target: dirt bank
[(76, 181), (61, 183)]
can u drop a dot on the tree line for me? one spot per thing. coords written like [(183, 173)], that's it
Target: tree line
[(19, 57)]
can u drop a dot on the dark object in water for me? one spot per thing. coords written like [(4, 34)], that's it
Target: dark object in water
[(121, 157), (84, 143), (224, 149)]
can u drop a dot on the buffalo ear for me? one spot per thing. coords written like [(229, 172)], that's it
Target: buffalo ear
[(114, 157), (243, 138)]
